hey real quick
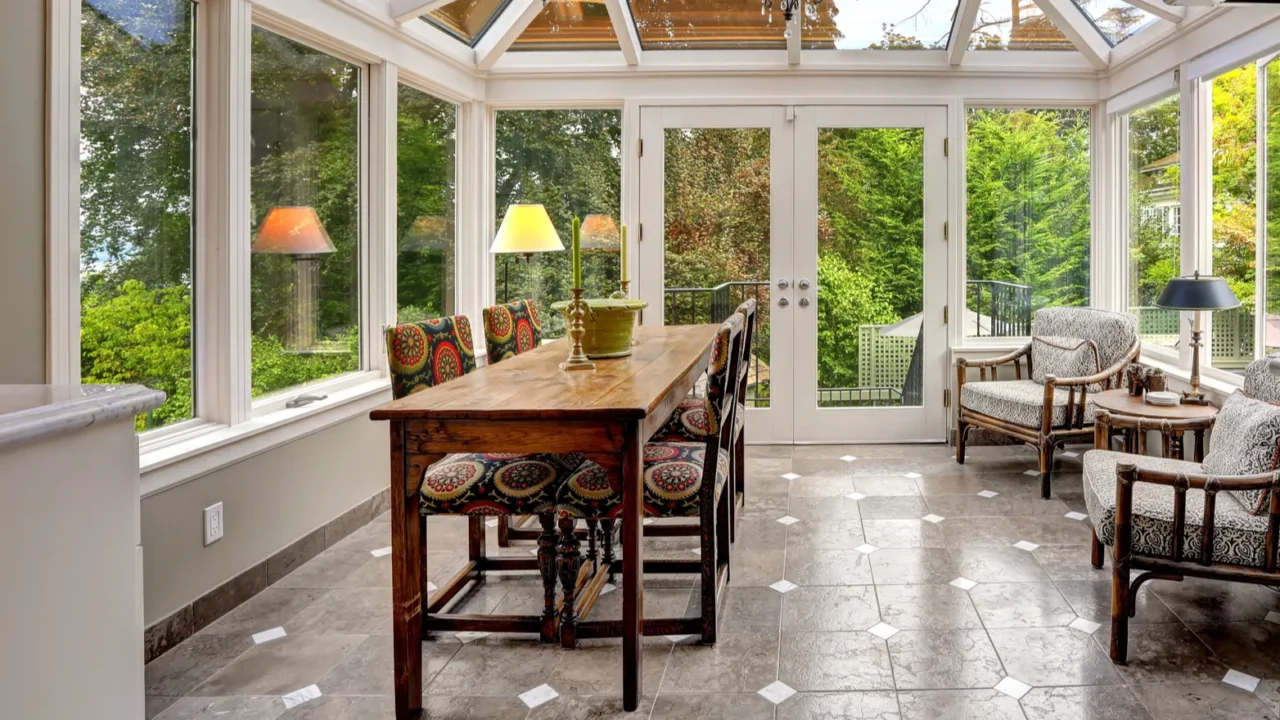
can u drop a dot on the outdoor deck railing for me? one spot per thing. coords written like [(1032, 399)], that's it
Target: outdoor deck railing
[(1003, 309), (694, 306)]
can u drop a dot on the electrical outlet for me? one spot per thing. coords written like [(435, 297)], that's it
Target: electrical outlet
[(213, 524)]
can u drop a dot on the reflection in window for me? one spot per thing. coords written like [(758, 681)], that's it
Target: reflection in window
[(1015, 25), (425, 210), (717, 24), (878, 24), (569, 25), (1234, 238), (1271, 177), (466, 19), (1115, 19), (135, 206), (1155, 217), (304, 191), (570, 162), (1028, 215)]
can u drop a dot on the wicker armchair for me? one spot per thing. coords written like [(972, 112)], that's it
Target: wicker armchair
[(1045, 414)]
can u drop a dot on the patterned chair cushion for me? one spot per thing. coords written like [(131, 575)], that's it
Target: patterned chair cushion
[(511, 329), (1020, 402), (495, 483), (1064, 357), (1260, 382), (1114, 333), (1239, 538), (1245, 441), (689, 422), (672, 482), (425, 354)]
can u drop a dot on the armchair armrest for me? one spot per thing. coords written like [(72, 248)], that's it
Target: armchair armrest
[(1105, 422), (1001, 360), (963, 364)]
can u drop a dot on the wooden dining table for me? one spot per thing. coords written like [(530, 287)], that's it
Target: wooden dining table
[(528, 404)]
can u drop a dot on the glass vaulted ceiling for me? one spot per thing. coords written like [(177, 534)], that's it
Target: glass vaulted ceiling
[(829, 24)]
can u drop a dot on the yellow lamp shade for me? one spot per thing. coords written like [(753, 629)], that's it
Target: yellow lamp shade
[(292, 231), (526, 229)]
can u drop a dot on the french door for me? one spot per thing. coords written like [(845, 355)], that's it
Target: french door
[(833, 219)]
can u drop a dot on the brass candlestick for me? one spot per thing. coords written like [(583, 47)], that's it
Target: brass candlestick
[(626, 288), (577, 358)]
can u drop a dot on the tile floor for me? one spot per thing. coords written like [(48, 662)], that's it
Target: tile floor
[(907, 587)]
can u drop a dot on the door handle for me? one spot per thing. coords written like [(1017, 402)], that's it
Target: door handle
[(783, 302), (804, 302), (803, 284), (783, 284)]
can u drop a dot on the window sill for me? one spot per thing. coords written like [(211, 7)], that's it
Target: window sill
[(207, 447), (1215, 387)]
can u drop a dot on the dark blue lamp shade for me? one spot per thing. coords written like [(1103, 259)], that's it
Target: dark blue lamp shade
[(1198, 292)]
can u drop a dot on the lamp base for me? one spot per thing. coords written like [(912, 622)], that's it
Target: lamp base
[(1197, 399)]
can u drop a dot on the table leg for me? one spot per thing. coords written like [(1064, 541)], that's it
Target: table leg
[(632, 567), (407, 558)]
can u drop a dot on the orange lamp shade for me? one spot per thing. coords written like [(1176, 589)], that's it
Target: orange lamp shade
[(292, 230), (599, 232)]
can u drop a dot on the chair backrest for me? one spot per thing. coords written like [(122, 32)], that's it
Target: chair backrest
[(511, 329), (425, 354), (1114, 333), (722, 385), (1260, 382), (748, 312)]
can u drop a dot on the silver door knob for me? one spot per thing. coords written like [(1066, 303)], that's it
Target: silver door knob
[(783, 302), (804, 302), (803, 284), (783, 284)]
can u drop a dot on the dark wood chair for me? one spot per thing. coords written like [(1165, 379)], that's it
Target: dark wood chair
[(478, 485), (1053, 411), (681, 479)]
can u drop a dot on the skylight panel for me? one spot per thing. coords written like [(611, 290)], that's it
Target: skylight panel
[(1015, 25), (879, 24), (1116, 20), (466, 19), (569, 25)]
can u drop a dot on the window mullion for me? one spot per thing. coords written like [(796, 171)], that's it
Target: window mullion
[(1197, 194), (380, 208)]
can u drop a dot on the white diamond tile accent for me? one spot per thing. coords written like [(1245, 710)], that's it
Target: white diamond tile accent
[(933, 518), (380, 552), (1244, 681), (679, 638), (696, 551), (988, 493), (1076, 515), (790, 476), (649, 521), (608, 588), (776, 691), (1024, 545), (1273, 617), (432, 587), (848, 458), (866, 549), (533, 551), (466, 637), (268, 635), (884, 631), (1013, 688), (1032, 473), (856, 496), (788, 520), (1070, 454), (491, 522), (1087, 627), (784, 586), (963, 583), (540, 695), (297, 697), (912, 475)]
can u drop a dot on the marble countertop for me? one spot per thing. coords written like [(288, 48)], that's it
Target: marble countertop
[(34, 412)]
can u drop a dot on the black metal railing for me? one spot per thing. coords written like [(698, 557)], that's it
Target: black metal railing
[(860, 397), (1003, 309), (695, 306)]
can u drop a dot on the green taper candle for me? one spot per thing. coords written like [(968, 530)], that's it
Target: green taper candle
[(577, 253), (624, 253)]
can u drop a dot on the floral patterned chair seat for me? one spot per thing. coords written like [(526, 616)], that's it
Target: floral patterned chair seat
[(673, 474), (688, 423)]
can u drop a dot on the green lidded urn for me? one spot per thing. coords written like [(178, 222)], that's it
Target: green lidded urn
[(609, 325)]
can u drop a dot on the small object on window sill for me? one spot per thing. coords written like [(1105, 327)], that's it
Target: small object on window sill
[(303, 401), (1163, 398)]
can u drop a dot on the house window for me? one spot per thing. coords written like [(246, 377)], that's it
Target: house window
[(1155, 212), (1028, 227), (425, 212), (305, 197), (569, 161), (136, 199)]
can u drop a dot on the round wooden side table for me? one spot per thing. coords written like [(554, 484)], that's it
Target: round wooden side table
[(1169, 420)]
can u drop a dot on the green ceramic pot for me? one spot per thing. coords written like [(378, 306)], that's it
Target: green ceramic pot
[(610, 325)]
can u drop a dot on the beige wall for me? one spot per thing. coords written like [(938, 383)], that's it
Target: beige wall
[(22, 186), (269, 501)]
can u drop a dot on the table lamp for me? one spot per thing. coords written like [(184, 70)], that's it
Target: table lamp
[(297, 231), (525, 230), (1197, 293)]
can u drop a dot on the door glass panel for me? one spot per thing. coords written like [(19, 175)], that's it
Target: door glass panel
[(717, 218), (870, 267)]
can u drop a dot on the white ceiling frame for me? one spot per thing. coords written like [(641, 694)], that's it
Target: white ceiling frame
[(406, 10), (1071, 20), (794, 41), (961, 29), (1172, 13), (504, 31), (624, 27)]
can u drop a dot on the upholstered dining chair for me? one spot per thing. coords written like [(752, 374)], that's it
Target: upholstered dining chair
[(1073, 352), (681, 480), (1168, 519), (476, 485)]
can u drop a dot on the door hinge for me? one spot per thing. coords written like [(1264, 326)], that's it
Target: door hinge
[(640, 152), (641, 232), (946, 314), (946, 230), (946, 147), (946, 398)]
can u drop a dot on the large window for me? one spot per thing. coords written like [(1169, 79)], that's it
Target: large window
[(1155, 217), (425, 210), (570, 162), (135, 206), (1028, 216), (305, 195)]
